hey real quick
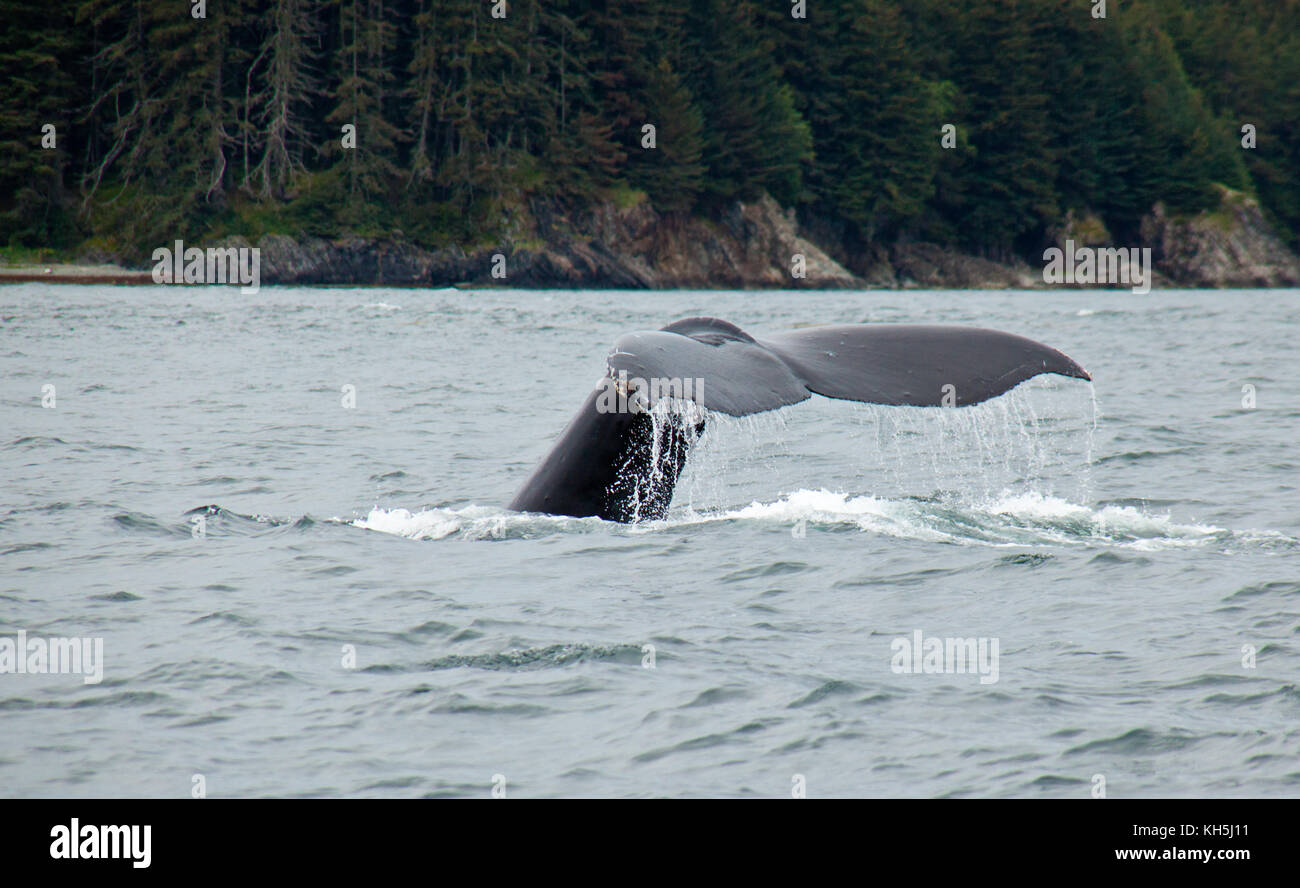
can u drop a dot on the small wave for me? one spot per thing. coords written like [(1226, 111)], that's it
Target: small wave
[(33, 441), (470, 522), (1141, 741), (1011, 519), (1101, 312), (551, 656), (1018, 519)]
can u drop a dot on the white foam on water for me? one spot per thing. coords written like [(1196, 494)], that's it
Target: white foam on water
[(1060, 519), (1012, 519), (823, 507), (470, 522), (1014, 471)]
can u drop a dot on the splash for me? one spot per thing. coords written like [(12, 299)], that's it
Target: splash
[(1007, 520), (1013, 471), (1036, 438), (1011, 519), (651, 467), (470, 522)]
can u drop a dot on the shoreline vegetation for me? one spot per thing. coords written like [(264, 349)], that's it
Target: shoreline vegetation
[(652, 143), (1243, 255), (748, 248)]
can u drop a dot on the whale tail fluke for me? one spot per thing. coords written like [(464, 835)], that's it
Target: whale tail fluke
[(617, 461)]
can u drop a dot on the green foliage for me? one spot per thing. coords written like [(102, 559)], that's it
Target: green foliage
[(874, 118), (672, 172), (36, 80), (754, 137), (1244, 58), (170, 126)]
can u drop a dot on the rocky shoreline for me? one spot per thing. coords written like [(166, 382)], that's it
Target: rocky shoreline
[(756, 245), (753, 244)]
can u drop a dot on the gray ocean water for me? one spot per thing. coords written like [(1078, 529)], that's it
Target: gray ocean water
[(1132, 547)]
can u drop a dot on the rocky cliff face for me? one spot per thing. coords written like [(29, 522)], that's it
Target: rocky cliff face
[(1231, 246), (929, 266), (758, 245), (753, 244)]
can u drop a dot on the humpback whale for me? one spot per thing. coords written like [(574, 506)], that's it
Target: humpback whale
[(620, 457)]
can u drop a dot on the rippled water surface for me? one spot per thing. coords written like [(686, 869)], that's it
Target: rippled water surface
[(1127, 545)]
